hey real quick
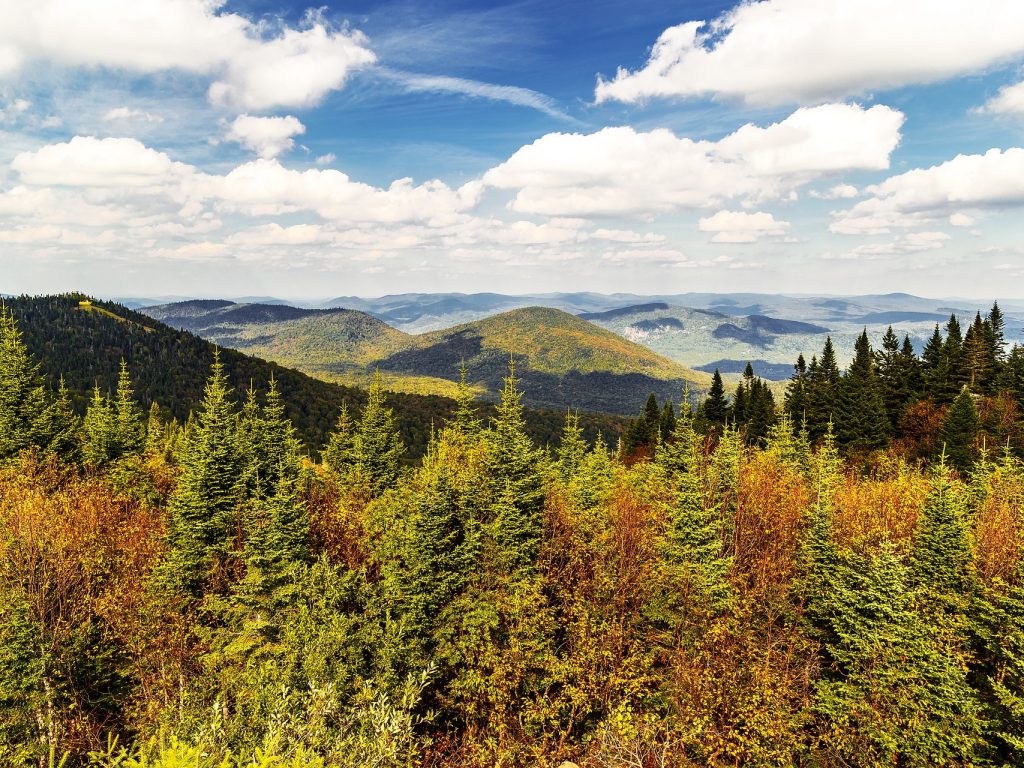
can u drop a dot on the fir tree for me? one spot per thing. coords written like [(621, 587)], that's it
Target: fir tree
[(204, 504), (960, 430), (716, 407), (127, 416), (23, 398), (61, 425), (668, 421), (979, 356), (572, 448), (997, 324), (465, 418), (513, 465), (155, 435), (339, 455), (795, 403), (863, 422), (99, 429), (934, 368), (953, 360), (377, 447), (822, 391)]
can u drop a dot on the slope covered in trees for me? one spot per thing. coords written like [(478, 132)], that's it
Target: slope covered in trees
[(169, 366), (203, 595)]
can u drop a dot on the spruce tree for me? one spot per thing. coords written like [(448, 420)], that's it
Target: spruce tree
[(862, 419), (979, 362), (155, 434), (997, 324), (465, 418), (668, 421), (517, 490), (339, 455), (716, 407), (960, 431), (651, 420), (934, 368), (204, 504), (100, 431), (61, 425), (953, 360), (795, 402), (822, 391), (128, 417), (23, 397), (572, 448), (377, 447)]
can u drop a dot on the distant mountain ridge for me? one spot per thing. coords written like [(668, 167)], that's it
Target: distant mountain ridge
[(563, 360)]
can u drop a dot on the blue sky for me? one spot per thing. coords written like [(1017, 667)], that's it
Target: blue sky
[(163, 147)]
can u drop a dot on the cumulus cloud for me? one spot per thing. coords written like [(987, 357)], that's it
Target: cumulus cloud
[(809, 51), (1009, 101), (741, 227), (85, 161), (268, 137), (992, 180), (961, 220), (623, 171), (253, 65), (838, 192)]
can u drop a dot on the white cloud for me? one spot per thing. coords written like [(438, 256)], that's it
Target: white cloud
[(1009, 101), (623, 171), (909, 243), (741, 227), (838, 192), (523, 97), (327, 159), (253, 65), (127, 114), (992, 180), (809, 51), (961, 220), (268, 137), (91, 162)]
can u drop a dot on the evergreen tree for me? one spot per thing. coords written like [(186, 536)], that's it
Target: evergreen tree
[(760, 410), (863, 422), (997, 324), (960, 430), (651, 420), (155, 435), (127, 416), (934, 368), (61, 425), (23, 398), (953, 360), (377, 447), (739, 404), (517, 489), (572, 448), (204, 504), (668, 421), (339, 455), (716, 407), (895, 368), (466, 418), (99, 429), (822, 391), (795, 403)]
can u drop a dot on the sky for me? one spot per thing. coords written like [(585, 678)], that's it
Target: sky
[(205, 148)]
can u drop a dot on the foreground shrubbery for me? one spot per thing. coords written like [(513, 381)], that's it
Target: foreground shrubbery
[(203, 595)]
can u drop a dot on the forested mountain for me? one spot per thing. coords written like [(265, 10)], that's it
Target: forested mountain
[(564, 360), (168, 366), (206, 596)]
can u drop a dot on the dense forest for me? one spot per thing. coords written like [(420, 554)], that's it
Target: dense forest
[(83, 340), (818, 584)]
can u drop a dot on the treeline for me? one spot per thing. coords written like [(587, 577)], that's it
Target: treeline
[(962, 395), (205, 595)]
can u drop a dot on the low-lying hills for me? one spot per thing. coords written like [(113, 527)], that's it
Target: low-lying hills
[(563, 360), (85, 343)]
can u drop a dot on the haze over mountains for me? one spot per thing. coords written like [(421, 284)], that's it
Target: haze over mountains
[(584, 349)]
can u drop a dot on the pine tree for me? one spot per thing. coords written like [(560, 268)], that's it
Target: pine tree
[(339, 455), (572, 448), (998, 326), (23, 397), (822, 391), (128, 417), (155, 435), (517, 490), (99, 429), (716, 407), (377, 447), (204, 504), (960, 430), (795, 402), (61, 425), (465, 418), (863, 422)]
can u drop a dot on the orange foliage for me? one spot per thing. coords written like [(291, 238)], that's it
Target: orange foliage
[(997, 533), (882, 508)]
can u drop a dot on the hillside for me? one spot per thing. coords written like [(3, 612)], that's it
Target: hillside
[(170, 366), (562, 359)]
